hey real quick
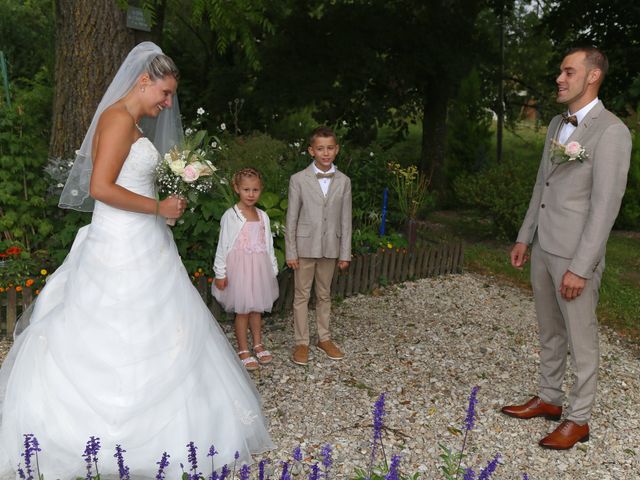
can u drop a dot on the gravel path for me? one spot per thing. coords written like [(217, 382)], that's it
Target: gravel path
[(427, 344)]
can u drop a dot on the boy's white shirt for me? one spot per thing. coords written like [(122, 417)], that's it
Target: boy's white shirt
[(230, 225), (324, 182)]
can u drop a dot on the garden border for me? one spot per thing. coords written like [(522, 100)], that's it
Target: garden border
[(365, 273)]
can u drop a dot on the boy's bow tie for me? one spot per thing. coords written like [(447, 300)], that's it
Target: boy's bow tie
[(572, 119), (324, 175)]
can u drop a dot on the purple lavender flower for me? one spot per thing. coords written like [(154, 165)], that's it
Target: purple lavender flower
[(314, 474), (236, 455), (123, 470), (212, 451), (469, 474), (469, 422), (394, 469), (261, 465), (327, 459), (245, 470), (297, 454), (487, 471), (378, 418), (224, 473), (162, 465), (31, 448), (192, 457), (525, 476), (21, 473), (285, 471), (90, 455)]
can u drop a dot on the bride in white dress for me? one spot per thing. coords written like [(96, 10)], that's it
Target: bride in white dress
[(119, 344)]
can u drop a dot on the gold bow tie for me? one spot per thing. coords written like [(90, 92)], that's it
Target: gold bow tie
[(572, 119), (324, 175)]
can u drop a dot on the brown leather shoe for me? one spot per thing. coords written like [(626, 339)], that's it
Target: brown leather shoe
[(534, 408), (300, 355), (566, 436), (331, 349)]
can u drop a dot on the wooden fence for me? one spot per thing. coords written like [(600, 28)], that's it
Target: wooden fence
[(365, 273)]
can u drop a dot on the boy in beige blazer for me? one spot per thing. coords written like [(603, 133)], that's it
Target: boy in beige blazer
[(318, 234), (574, 204)]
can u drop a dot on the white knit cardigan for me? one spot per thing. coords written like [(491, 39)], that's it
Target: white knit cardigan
[(230, 225)]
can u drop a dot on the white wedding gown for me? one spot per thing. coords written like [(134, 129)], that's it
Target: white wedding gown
[(121, 346)]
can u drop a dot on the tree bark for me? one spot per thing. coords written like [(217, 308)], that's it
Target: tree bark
[(92, 40), (434, 132)]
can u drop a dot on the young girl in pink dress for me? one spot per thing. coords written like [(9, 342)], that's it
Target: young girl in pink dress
[(245, 267)]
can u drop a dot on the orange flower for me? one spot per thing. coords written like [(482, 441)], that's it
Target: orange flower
[(1, 289), (197, 274), (13, 251), (19, 288), (28, 283)]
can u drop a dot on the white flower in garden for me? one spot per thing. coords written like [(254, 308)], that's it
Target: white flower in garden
[(188, 132), (371, 154), (214, 144), (344, 123), (297, 144), (200, 111), (299, 124), (60, 185), (223, 127)]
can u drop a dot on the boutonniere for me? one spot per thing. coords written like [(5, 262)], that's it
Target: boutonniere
[(570, 152)]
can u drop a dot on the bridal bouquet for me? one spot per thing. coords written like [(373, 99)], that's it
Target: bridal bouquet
[(570, 152), (185, 170)]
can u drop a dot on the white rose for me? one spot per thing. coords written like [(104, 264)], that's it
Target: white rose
[(177, 166)]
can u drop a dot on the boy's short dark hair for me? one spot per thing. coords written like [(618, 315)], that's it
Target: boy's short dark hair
[(322, 132)]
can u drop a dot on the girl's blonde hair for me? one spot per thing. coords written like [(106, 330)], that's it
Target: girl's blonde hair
[(245, 173)]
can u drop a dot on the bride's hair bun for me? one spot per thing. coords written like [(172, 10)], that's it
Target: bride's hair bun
[(161, 66)]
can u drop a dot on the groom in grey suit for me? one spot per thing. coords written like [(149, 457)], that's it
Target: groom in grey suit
[(575, 201)]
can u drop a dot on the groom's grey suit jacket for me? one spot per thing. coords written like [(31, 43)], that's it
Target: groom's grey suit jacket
[(574, 205)]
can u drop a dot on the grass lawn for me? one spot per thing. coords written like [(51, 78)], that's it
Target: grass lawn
[(620, 291)]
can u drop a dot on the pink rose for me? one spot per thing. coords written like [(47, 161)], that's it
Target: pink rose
[(190, 174), (573, 149)]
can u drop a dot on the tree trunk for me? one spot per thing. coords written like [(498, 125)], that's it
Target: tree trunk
[(434, 132), (92, 40)]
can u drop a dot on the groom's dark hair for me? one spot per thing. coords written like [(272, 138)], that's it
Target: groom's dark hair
[(594, 58)]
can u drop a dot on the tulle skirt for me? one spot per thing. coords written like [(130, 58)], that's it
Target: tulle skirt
[(121, 346), (251, 283)]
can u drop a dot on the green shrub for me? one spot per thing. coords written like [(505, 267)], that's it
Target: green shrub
[(502, 192), (629, 217)]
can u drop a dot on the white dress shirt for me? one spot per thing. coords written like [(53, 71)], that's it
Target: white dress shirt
[(567, 129), (324, 182)]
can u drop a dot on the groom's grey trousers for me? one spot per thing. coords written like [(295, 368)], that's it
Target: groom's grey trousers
[(566, 324)]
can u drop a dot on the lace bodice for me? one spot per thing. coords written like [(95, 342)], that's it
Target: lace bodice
[(251, 238)]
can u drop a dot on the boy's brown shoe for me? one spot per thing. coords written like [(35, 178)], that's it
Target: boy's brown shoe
[(300, 355), (331, 349)]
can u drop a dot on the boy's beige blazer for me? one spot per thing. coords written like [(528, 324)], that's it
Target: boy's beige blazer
[(318, 226), (574, 205)]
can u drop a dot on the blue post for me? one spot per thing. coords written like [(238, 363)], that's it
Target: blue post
[(383, 219), (5, 77)]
